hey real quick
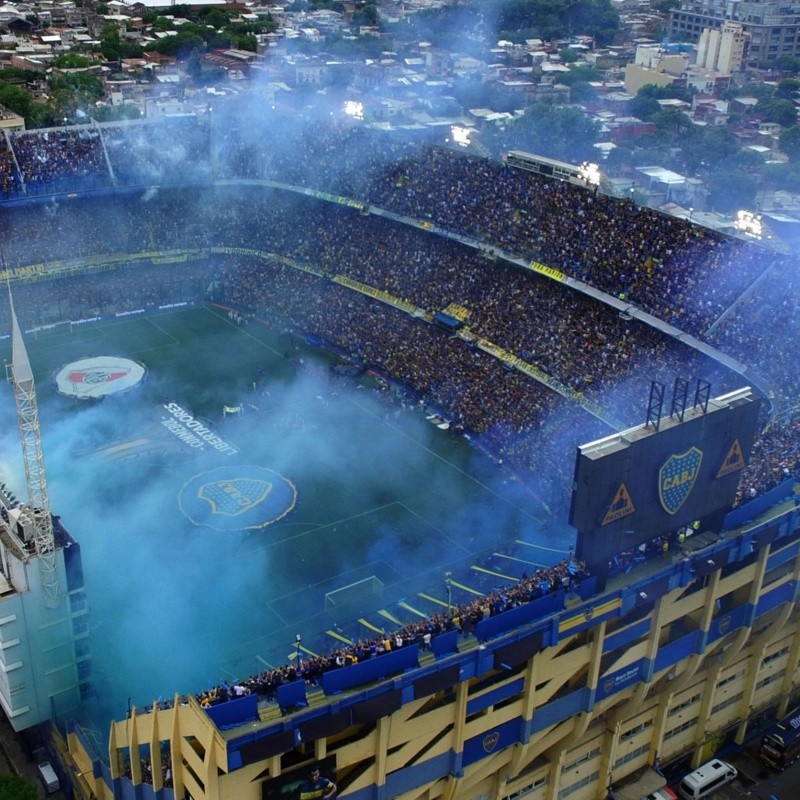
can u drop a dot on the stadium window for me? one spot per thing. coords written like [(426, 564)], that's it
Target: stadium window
[(690, 723), (638, 752), (770, 679), (695, 698), (581, 759), (568, 790), (525, 791), (729, 679), (774, 656), (727, 702), (631, 732)]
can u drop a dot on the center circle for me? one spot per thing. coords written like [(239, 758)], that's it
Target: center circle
[(237, 497)]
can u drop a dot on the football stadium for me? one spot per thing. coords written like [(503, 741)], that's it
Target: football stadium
[(441, 476)]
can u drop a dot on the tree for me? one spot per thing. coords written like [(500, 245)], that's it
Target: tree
[(786, 63), (114, 48), (672, 123), (105, 112), (782, 176), (560, 132), (731, 191), (775, 109), (789, 141), (180, 45), (645, 106), (72, 61), (568, 55), (787, 88), (707, 145), (212, 15), (15, 99), (13, 787), (581, 74)]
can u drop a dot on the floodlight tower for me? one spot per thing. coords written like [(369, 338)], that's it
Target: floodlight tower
[(33, 457)]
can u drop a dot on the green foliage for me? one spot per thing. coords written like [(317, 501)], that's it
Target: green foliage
[(15, 99), (367, 14), (179, 45), (114, 48), (716, 146), (787, 88), (109, 113), (455, 27), (211, 15), (758, 90), (13, 74), (582, 74), (82, 84), (672, 123), (782, 176), (645, 105), (558, 132), (776, 109), (582, 92), (552, 19), (790, 142), (730, 191), (361, 47), (568, 55), (786, 63), (13, 787), (245, 42), (72, 61)]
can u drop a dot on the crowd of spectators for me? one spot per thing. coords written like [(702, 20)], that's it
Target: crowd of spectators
[(9, 178), (583, 344), (735, 295), (676, 270), (173, 152), (462, 617), (61, 159)]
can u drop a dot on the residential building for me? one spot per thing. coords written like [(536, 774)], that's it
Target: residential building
[(774, 27)]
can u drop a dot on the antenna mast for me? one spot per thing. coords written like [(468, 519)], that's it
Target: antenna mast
[(35, 477)]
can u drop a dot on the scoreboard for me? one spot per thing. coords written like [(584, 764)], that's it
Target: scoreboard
[(635, 485)]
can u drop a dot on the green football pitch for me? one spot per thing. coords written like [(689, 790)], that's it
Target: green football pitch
[(386, 503)]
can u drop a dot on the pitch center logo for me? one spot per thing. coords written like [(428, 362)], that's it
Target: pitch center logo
[(234, 498), (96, 377)]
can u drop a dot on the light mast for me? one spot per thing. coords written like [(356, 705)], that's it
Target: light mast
[(33, 457)]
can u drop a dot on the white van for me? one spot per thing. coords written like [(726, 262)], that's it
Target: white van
[(705, 780), (48, 777)]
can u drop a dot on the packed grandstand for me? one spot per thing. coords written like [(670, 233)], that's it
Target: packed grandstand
[(362, 240)]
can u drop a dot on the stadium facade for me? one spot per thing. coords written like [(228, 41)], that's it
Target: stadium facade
[(563, 697), (568, 704)]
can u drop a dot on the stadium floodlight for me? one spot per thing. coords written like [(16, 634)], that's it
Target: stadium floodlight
[(448, 582), (749, 224), (297, 639), (589, 173), (354, 109), (460, 135)]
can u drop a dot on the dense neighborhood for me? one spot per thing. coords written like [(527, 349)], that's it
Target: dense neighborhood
[(692, 108)]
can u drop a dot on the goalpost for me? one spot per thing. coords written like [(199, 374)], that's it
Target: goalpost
[(367, 592)]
